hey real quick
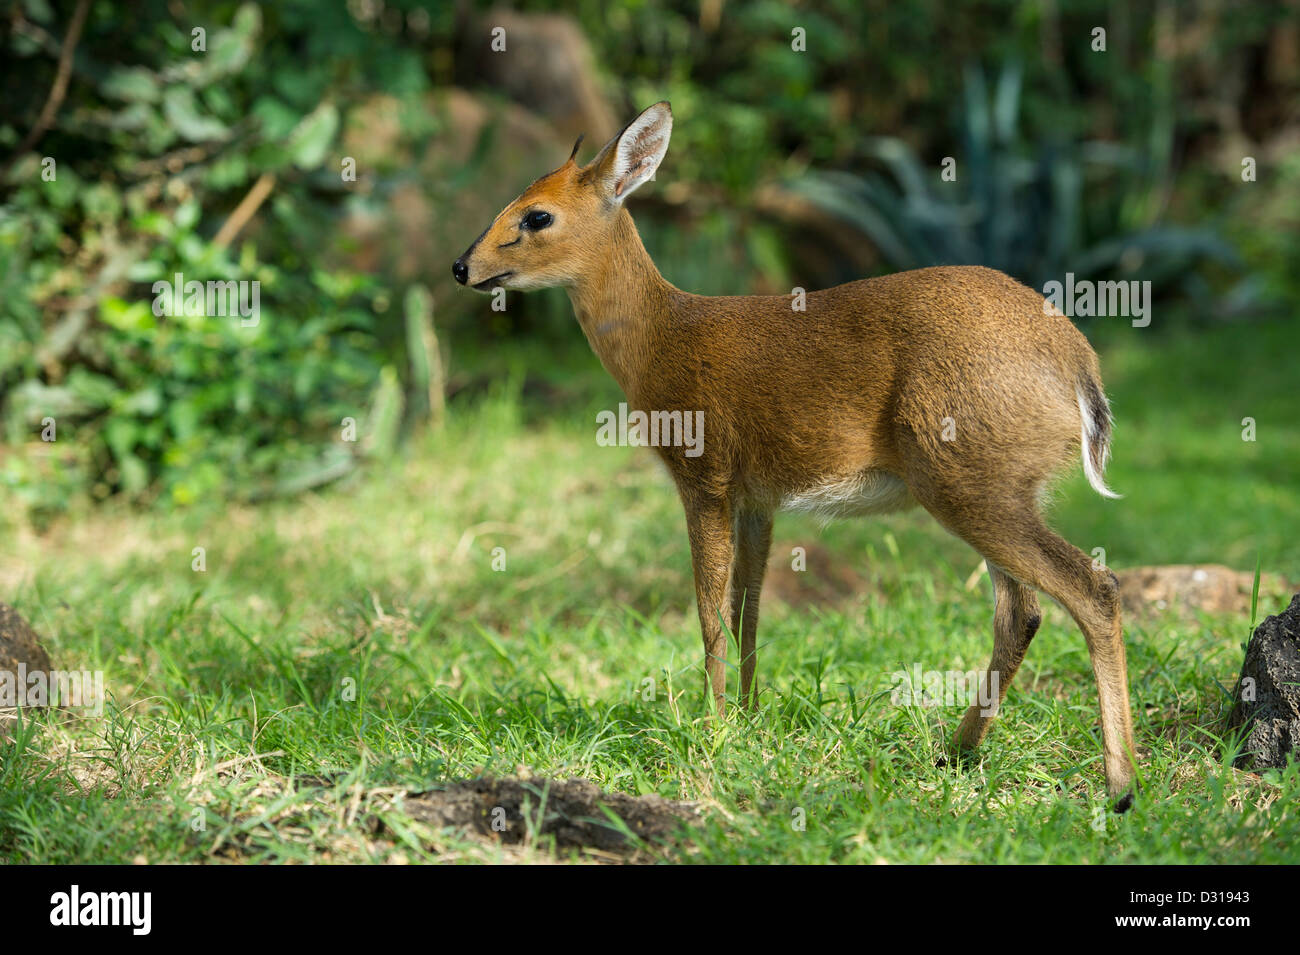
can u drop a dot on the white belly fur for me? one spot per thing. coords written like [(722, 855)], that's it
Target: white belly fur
[(869, 492)]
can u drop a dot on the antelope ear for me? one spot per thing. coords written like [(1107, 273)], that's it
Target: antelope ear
[(632, 157)]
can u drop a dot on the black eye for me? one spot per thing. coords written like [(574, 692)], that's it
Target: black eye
[(537, 220)]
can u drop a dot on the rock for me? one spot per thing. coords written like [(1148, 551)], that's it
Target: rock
[(547, 67), (19, 643), (1268, 693), (1190, 587), (422, 200), (19, 648)]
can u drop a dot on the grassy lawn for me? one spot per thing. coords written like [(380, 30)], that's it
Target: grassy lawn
[(348, 646)]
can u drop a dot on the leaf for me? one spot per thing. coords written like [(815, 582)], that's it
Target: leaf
[(144, 403), (132, 84), (32, 400), (334, 464), (230, 50), (182, 112), (184, 418), (311, 138), (146, 271), (1254, 590), (125, 316), (277, 119), (384, 421), (187, 215)]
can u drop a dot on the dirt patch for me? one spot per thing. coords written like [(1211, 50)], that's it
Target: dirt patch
[(828, 579), (573, 813), (1212, 588)]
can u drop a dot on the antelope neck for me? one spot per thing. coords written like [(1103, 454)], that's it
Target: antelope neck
[(619, 303)]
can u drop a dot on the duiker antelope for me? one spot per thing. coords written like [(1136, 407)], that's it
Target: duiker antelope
[(949, 387)]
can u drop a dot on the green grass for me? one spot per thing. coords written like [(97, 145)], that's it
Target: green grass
[(350, 645)]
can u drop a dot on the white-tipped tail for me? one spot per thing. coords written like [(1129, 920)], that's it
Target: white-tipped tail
[(1096, 437)]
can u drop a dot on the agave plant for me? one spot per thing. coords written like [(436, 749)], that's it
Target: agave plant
[(1016, 207)]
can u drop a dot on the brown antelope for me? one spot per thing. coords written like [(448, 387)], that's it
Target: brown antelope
[(949, 387)]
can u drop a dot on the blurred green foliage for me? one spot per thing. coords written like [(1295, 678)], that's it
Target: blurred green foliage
[(156, 148), (157, 145), (1034, 211)]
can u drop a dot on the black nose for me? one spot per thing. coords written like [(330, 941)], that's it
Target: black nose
[(460, 270)]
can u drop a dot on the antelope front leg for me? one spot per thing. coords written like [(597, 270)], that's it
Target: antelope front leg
[(708, 523)]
